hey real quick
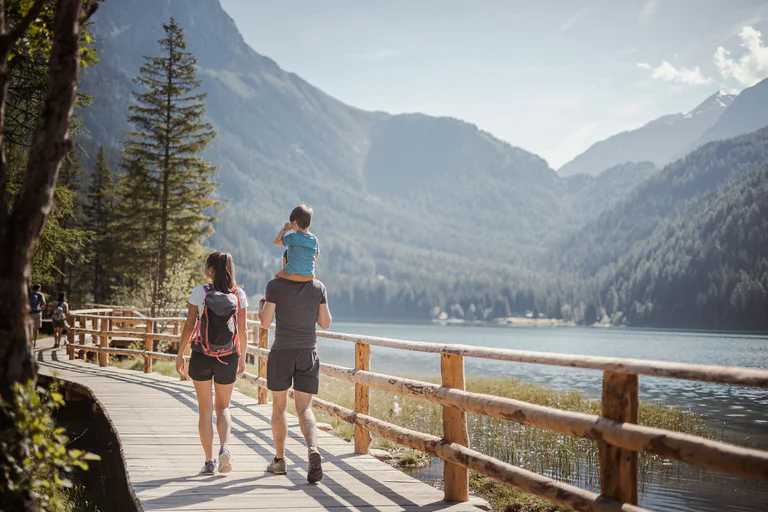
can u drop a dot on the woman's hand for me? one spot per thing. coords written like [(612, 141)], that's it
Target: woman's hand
[(180, 365), (241, 366)]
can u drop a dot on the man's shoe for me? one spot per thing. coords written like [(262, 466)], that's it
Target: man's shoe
[(315, 471), (277, 466)]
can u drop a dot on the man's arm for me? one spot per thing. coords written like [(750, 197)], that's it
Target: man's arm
[(324, 317), (281, 234), (266, 313)]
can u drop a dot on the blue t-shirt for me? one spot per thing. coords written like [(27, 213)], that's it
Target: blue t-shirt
[(302, 248)]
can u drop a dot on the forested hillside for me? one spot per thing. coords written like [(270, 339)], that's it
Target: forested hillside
[(707, 268), (420, 216)]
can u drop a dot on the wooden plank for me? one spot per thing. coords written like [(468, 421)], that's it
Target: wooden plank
[(162, 453), (618, 467), (362, 399), (455, 476)]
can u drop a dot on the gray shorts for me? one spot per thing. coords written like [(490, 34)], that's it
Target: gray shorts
[(300, 367), (37, 319)]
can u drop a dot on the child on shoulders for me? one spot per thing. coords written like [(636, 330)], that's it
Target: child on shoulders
[(302, 247)]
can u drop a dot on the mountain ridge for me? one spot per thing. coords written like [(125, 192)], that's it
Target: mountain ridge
[(659, 141)]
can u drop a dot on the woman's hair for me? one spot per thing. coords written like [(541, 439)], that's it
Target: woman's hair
[(223, 271), (62, 297)]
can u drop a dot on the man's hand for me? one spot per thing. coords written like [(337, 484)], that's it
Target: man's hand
[(180, 365), (241, 366)]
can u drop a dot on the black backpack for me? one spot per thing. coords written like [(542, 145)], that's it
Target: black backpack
[(216, 329)]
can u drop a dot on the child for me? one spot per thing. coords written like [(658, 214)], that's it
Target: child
[(302, 246)]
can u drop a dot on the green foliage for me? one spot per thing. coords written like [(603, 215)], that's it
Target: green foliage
[(99, 218), (46, 469), (165, 196)]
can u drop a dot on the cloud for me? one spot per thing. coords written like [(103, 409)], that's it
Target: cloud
[(752, 66), (650, 8), (381, 54), (578, 14), (669, 73)]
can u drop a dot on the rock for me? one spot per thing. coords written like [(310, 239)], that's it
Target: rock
[(380, 454), (325, 427)]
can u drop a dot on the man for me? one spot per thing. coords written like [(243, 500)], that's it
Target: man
[(297, 308), (36, 307)]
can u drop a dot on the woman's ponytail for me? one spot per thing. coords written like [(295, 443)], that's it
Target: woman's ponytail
[(223, 271)]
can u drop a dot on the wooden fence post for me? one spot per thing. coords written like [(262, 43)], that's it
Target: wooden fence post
[(455, 476), (263, 343), (104, 341), (149, 346), (618, 468), (362, 398), (252, 359), (70, 336)]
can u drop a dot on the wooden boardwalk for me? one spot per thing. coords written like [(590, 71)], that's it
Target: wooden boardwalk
[(155, 419)]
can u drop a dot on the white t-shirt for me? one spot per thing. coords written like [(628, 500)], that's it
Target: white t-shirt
[(197, 298)]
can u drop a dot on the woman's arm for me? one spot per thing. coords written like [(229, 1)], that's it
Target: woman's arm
[(186, 333), (242, 338)]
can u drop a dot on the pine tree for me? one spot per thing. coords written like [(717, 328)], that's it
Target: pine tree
[(99, 214), (166, 195)]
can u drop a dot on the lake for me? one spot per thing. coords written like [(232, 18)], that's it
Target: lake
[(740, 413)]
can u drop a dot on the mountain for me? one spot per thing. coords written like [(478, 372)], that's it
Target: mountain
[(706, 267), (588, 196), (662, 198), (388, 190), (659, 141), (749, 112)]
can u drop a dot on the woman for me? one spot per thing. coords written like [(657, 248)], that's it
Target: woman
[(59, 312), (221, 366)]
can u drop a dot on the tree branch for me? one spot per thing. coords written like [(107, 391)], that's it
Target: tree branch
[(50, 141), (8, 40), (89, 11)]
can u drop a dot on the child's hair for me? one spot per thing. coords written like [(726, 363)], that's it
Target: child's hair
[(302, 216), (62, 297), (223, 271)]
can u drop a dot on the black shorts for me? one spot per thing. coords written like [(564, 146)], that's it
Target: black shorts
[(203, 367), (300, 367)]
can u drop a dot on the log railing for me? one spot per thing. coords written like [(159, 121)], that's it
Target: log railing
[(616, 432)]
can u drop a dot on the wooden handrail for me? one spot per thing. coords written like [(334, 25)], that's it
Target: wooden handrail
[(618, 436)]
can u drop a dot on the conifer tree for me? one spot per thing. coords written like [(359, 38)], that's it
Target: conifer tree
[(166, 194), (98, 219)]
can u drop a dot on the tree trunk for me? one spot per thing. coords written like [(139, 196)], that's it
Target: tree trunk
[(166, 177), (21, 227)]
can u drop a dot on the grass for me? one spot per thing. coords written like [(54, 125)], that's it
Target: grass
[(564, 458)]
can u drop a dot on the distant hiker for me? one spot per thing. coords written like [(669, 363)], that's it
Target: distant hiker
[(216, 327), (302, 246), (297, 308), (59, 312), (36, 306)]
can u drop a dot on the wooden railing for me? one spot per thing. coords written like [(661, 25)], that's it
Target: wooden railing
[(616, 432)]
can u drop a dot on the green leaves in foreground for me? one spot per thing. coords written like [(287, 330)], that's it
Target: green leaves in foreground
[(47, 465)]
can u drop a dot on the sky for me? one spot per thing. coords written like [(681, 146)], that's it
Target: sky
[(552, 76)]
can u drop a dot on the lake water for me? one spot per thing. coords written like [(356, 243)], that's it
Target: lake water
[(741, 413)]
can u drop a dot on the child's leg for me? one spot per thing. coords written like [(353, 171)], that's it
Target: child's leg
[(295, 277)]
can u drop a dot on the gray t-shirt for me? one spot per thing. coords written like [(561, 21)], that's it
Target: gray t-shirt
[(296, 306)]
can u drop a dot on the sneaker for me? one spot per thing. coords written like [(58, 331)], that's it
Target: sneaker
[(225, 460), (209, 468), (315, 471), (277, 466)]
